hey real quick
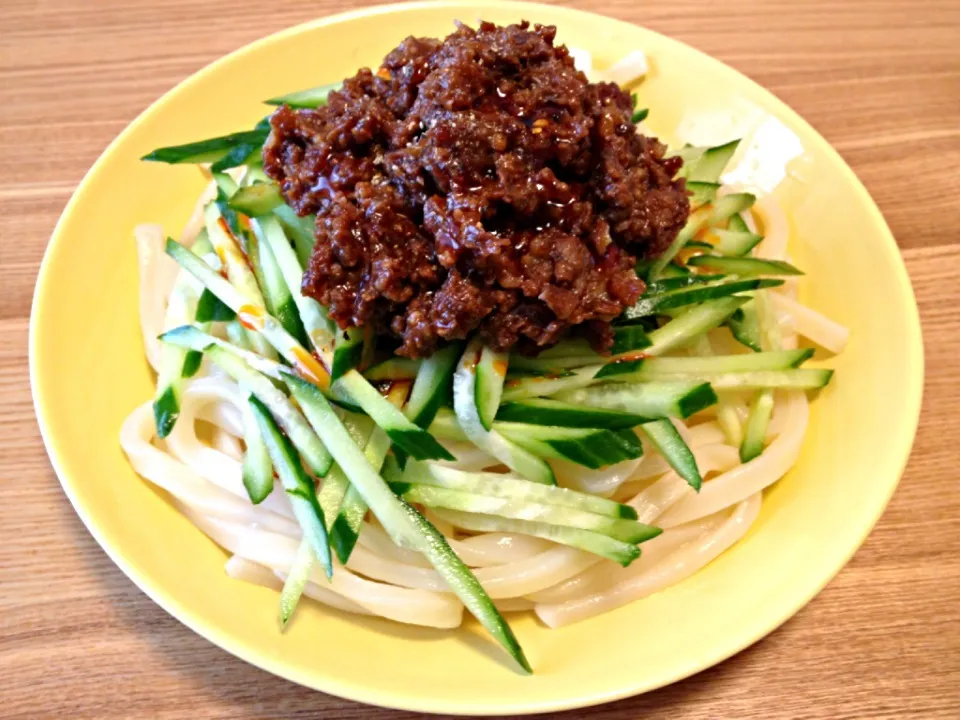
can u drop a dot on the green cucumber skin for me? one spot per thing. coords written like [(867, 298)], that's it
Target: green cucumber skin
[(433, 385), (675, 451), (745, 326), (689, 368), (673, 299), (745, 267), (347, 351), (552, 412), (211, 309), (649, 400), (166, 410), (210, 150), (712, 162), (255, 200), (308, 99), (297, 483), (191, 363), (756, 427), (702, 193), (628, 339)]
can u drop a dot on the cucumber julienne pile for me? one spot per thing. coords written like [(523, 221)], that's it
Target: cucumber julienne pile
[(320, 407)]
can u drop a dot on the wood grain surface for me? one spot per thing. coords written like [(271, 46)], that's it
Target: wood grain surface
[(879, 78)]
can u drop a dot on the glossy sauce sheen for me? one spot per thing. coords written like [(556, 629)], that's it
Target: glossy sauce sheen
[(478, 183)]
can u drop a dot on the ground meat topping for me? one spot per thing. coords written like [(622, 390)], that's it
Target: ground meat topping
[(477, 184)]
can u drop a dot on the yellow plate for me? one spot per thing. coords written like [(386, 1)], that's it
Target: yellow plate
[(88, 372)]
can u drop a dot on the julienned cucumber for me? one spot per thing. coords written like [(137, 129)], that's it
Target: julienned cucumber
[(405, 525), (290, 419), (432, 385), (744, 266), (491, 369), (505, 486), (745, 326), (680, 331), (693, 294), (650, 400), (592, 542), (591, 447), (347, 350), (277, 296), (257, 471), (257, 199), (675, 451), (296, 482), (711, 163), (736, 243), (300, 230), (544, 411), (192, 338), (795, 379), (664, 368), (311, 98), (446, 426), (353, 509), (756, 427), (620, 552), (393, 369), (702, 193), (464, 402), (531, 387), (204, 151), (629, 531)]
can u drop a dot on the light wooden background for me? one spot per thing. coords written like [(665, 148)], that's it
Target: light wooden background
[(879, 78)]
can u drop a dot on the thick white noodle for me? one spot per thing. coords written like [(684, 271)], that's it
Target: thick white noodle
[(822, 330), (240, 569), (752, 477), (157, 273), (670, 570), (168, 473), (604, 481), (607, 573)]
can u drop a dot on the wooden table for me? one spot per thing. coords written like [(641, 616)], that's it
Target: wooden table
[(879, 78)]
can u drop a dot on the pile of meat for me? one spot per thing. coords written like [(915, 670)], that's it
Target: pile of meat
[(479, 183)]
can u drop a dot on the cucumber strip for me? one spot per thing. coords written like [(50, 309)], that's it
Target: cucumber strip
[(756, 427), (239, 274), (736, 243), (629, 531), (251, 316), (712, 162), (629, 338), (531, 387), (405, 525), (257, 199), (347, 350), (210, 309), (702, 193), (659, 368), (238, 336), (795, 379), (727, 416), (277, 296), (670, 300), (295, 583), (675, 451), (571, 347), (349, 521), (505, 486), (544, 411), (433, 385), (308, 99), (300, 230), (464, 402), (292, 421), (620, 552), (297, 483), (445, 425), (166, 402), (591, 447), (412, 439), (318, 327), (257, 466), (649, 400), (678, 282), (744, 266), (242, 154), (488, 389), (738, 224), (680, 331), (205, 151), (193, 338), (715, 214), (745, 326), (395, 368)]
